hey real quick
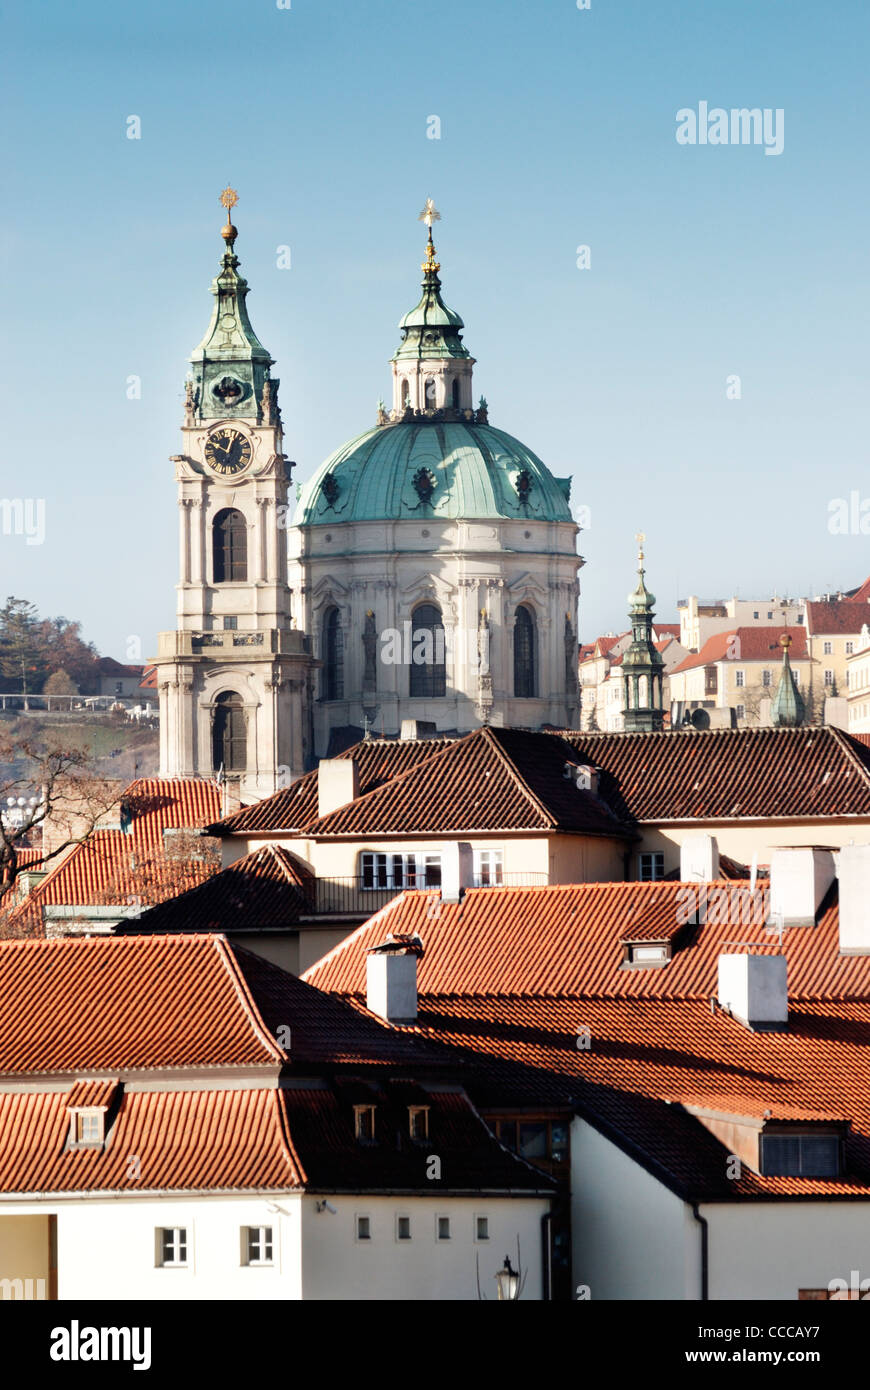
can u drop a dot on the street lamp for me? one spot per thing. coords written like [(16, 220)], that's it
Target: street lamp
[(508, 1281)]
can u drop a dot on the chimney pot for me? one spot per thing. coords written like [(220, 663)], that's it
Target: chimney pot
[(337, 783), (391, 979)]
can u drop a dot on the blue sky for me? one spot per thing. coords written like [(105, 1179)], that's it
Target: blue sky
[(557, 129)]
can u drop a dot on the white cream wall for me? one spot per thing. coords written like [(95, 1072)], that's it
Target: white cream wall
[(770, 1250), (106, 1248), (740, 841), (338, 1267), (631, 1237)]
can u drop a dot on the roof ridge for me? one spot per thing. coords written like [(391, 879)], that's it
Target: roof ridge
[(549, 819), (842, 739), (226, 954), (365, 926), (311, 828)]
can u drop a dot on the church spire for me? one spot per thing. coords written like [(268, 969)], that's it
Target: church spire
[(230, 365), (431, 366), (642, 664), (787, 709)]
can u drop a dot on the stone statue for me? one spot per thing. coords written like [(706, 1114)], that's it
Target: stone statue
[(268, 402), (189, 401)]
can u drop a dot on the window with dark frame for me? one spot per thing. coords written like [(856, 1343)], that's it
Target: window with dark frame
[(332, 675), (364, 1123), (428, 678), (418, 1121), (230, 547), (229, 733), (525, 676), (800, 1155)]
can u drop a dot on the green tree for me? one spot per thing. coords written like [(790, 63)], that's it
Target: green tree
[(21, 661)]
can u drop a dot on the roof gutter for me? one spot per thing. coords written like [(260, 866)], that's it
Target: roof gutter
[(705, 1252)]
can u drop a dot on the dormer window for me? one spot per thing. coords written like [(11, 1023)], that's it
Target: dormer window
[(646, 953), (418, 1121), (800, 1154), (88, 1129), (364, 1123)]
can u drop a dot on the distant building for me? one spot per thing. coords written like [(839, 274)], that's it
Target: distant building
[(732, 680)]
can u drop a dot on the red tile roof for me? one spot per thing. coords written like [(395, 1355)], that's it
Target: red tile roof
[(568, 940), (862, 593), (832, 619), (97, 1095), (295, 807), (184, 1141), (100, 1003), (491, 780), (266, 889), (744, 644), (729, 774), (512, 977)]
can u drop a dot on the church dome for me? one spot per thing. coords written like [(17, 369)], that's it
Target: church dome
[(433, 469)]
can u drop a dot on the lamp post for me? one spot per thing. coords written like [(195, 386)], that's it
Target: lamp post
[(508, 1281)]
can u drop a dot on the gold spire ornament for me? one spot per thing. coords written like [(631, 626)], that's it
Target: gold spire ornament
[(640, 538), (228, 199), (429, 215)]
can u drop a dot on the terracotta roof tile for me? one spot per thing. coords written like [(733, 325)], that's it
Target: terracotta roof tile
[(91, 1094), (493, 779), (831, 619), (268, 888), (744, 644)]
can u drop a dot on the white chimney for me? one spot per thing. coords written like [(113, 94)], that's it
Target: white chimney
[(699, 859), (853, 872), (799, 880), (457, 870), (391, 979), (754, 988), (337, 784), (418, 728)]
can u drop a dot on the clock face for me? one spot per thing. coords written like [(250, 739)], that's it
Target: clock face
[(228, 451)]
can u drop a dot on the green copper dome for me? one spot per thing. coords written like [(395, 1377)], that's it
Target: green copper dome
[(432, 469)]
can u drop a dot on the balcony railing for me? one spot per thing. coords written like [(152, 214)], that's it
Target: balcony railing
[(363, 895)]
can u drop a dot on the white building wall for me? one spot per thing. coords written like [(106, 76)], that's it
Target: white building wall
[(337, 1266), (771, 1250), (631, 1237)]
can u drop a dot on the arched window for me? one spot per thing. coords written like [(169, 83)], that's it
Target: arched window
[(332, 651), (525, 681), (428, 668), (230, 538), (430, 393), (406, 392), (456, 393), (229, 735)]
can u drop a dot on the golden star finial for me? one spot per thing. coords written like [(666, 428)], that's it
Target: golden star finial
[(228, 199), (429, 214)]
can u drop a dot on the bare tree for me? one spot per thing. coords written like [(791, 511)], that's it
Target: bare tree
[(50, 800)]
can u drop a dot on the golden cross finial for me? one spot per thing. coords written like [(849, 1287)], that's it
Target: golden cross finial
[(228, 199), (640, 538), (429, 214)]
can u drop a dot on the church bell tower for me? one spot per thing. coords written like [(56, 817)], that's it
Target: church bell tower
[(234, 676)]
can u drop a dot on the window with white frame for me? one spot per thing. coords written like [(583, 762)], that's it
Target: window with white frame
[(650, 867), (257, 1245), (828, 648), (418, 1121), (739, 678), (829, 678), (364, 1123), (399, 870), (741, 711), (172, 1246), (488, 867), (770, 614), (88, 1128), (850, 647), (765, 678), (797, 676)]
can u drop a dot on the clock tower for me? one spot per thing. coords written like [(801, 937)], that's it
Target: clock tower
[(234, 676)]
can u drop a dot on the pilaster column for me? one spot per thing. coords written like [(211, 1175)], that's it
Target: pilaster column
[(184, 541)]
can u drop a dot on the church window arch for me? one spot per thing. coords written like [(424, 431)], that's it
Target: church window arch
[(525, 653), (332, 652), (230, 547), (429, 390), (406, 393), (455, 392), (229, 733), (428, 677)]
